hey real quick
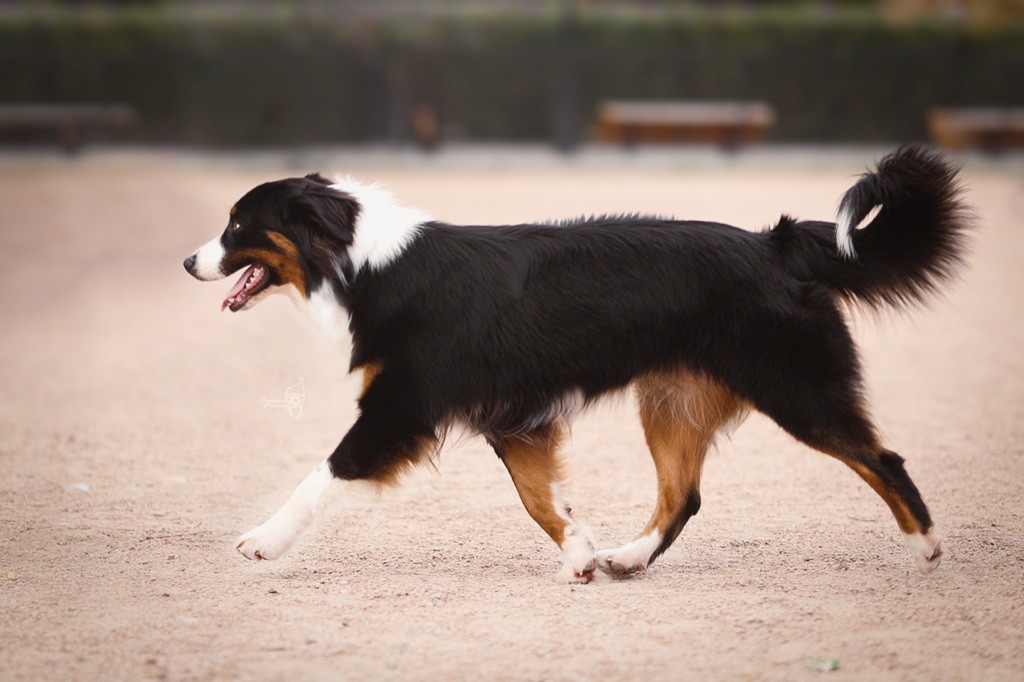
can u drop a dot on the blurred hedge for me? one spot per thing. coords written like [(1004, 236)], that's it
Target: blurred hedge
[(286, 79)]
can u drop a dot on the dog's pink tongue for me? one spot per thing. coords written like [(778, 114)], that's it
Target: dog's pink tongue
[(239, 285)]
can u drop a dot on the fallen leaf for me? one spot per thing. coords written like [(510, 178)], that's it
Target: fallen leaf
[(824, 664)]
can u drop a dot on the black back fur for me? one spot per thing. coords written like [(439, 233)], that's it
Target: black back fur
[(497, 324)]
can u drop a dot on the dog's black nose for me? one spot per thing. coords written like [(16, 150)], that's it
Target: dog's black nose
[(190, 263)]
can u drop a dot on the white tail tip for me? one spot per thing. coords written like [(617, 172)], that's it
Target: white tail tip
[(844, 234)]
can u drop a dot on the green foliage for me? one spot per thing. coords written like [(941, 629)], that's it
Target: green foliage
[(287, 78)]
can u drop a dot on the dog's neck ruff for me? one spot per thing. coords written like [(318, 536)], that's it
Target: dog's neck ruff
[(324, 310), (383, 227), (382, 232)]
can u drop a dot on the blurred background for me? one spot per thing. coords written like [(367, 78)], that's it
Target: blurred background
[(232, 73), (134, 446)]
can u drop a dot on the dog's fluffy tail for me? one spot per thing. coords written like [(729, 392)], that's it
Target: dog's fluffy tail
[(916, 241)]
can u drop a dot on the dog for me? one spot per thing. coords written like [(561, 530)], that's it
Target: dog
[(509, 331)]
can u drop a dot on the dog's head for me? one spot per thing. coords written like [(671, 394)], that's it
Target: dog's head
[(294, 232)]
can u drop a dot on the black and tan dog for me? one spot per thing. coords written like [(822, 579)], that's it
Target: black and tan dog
[(509, 331)]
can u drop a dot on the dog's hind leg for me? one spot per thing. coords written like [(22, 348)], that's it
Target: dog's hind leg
[(813, 392), (843, 430), (533, 462), (680, 414), (884, 472)]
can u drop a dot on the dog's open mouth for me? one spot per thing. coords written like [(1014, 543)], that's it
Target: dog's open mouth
[(254, 280)]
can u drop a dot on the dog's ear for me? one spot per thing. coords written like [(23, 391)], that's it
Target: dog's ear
[(316, 177), (333, 210)]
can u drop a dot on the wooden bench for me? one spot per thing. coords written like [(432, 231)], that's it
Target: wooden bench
[(982, 128), (69, 123), (730, 124)]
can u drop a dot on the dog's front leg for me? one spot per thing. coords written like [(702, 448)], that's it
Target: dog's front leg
[(383, 441), (277, 535)]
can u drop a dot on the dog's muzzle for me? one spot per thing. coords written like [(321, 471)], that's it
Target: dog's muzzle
[(205, 263)]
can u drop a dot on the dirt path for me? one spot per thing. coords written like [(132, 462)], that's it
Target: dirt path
[(134, 450)]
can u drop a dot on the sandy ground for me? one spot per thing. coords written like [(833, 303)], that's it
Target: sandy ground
[(134, 449)]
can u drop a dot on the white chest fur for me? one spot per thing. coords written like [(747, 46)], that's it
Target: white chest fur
[(325, 311)]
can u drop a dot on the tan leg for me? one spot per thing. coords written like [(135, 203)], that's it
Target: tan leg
[(533, 462), (844, 431), (885, 474), (680, 414)]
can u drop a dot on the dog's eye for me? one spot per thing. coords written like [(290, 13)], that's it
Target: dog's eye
[(236, 226)]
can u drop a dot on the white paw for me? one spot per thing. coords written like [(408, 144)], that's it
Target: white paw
[(578, 551), (926, 548), (577, 574), (630, 558), (610, 561), (268, 541)]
